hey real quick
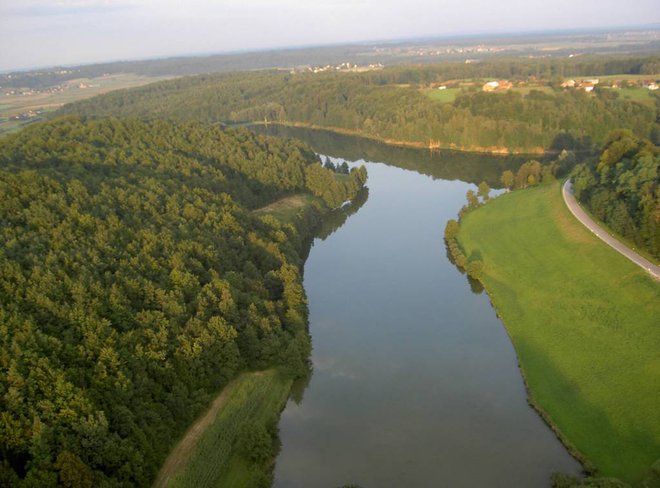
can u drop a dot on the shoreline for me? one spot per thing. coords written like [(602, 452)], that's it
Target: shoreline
[(185, 449), (587, 466), (595, 463), (492, 150)]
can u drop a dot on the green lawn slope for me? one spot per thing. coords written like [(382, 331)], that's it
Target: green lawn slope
[(585, 323)]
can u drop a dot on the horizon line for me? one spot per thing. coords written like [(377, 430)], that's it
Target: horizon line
[(374, 42)]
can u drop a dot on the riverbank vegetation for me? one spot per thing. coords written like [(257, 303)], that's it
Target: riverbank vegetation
[(583, 321), (529, 174), (621, 189), (137, 281), (392, 105), (447, 165)]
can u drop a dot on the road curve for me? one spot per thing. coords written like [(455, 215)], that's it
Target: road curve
[(602, 234)]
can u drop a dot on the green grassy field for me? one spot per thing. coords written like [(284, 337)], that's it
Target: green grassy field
[(220, 457), (619, 77), (585, 324), (286, 209), (637, 94), (443, 96)]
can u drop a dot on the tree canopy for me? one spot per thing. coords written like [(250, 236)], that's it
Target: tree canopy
[(621, 188), (135, 282)]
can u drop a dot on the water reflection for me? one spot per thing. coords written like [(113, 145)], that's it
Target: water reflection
[(446, 165), (299, 386), (335, 219), (415, 380), (475, 285)]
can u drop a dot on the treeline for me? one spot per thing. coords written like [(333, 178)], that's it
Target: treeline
[(621, 188), (533, 172), (190, 65), (135, 281), (376, 104), (518, 69), (472, 264)]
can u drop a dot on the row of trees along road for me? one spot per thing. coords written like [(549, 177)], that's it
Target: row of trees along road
[(621, 188)]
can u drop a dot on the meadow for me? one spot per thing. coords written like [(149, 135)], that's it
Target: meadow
[(286, 209), (443, 96), (638, 94), (584, 322)]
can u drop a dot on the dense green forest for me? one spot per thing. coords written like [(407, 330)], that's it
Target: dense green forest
[(389, 105), (136, 281), (621, 188)]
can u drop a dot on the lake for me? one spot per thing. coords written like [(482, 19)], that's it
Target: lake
[(415, 382)]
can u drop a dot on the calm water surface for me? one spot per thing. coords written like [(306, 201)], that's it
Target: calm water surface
[(415, 380)]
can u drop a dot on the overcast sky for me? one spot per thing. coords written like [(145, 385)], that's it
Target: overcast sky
[(37, 33)]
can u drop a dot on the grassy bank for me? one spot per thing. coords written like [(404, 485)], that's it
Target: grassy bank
[(235, 448), (584, 321)]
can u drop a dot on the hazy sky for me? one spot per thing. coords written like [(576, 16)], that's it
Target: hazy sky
[(48, 32)]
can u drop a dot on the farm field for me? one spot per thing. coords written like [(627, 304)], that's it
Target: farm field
[(638, 94), (627, 77), (237, 447), (583, 320), (443, 96), (44, 102), (286, 209)]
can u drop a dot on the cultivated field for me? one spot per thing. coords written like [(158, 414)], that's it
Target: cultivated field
[(286, 209), (638, 94), (222, 455), (41, 103), (443, 96)]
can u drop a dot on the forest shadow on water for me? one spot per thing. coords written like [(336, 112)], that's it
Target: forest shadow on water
[(438, 164)]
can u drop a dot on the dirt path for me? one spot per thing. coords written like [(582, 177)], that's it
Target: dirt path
[(181, 453), (602, 234)]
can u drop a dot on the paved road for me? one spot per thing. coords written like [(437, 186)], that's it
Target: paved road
[(581, 215)]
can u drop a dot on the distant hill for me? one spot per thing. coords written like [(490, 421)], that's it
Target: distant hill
[(421, 51), (392, 105)]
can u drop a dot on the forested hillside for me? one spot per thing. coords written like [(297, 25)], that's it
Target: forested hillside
[(135, 282), (621, 189), (390, 105)]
